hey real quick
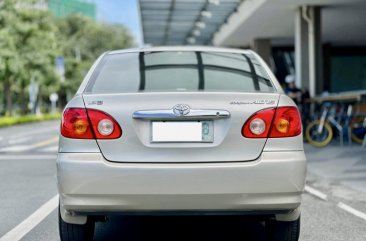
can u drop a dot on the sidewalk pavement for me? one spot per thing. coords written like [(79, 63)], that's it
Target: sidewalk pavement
[(344, 166)]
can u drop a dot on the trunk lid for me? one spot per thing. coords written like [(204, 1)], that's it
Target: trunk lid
[(135, 145)]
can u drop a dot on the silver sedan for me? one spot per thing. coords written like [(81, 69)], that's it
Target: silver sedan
[(180, 130)]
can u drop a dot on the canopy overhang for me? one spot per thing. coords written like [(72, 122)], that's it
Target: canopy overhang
[(183, 22)]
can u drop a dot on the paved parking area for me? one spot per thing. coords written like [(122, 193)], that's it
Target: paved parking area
[(344, 164)]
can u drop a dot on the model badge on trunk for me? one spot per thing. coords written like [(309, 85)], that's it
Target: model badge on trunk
[(263, 102)]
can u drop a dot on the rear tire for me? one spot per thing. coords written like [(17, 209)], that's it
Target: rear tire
[(283, 231), (75, 232)]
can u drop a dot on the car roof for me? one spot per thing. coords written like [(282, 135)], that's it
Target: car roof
[(182, 48)]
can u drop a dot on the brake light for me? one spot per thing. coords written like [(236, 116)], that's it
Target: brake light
[(273, 123), (287, 122), (75, 124), (80, 123)]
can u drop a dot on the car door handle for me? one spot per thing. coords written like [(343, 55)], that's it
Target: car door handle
[(170, 115)]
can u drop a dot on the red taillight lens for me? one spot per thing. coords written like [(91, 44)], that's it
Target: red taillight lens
[(287, 122), (104, 126), (273, 123), (75, 124), (261, 120), (80, 123)]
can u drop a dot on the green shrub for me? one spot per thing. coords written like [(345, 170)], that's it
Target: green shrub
[(10, 121)]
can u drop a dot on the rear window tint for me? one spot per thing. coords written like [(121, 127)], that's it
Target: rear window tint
[(233, 80), (236, 61), (177, 79), (175, 71)]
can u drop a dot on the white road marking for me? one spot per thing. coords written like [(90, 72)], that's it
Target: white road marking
[(17, 148), (21, 148), (53, 149), (27, 157), (32, 221), (316, 193), (350, 210), (18, 140), (33, 132)]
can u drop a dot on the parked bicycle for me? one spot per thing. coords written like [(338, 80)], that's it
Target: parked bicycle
[(358, 132), (319, 132)]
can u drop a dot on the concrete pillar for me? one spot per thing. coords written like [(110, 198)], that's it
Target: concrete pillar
[(263, 47), (315, 50), (301, 51), (327, 57), (308, 49)]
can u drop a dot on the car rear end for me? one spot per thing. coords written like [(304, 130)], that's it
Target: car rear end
[(180, 131)]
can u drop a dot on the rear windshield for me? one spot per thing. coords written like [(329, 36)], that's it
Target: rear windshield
[(185, 71)]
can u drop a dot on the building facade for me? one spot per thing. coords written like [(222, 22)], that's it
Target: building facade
[(321, 42), (62, 8)]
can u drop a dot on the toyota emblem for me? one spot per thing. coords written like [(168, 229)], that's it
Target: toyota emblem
[(181, 109)]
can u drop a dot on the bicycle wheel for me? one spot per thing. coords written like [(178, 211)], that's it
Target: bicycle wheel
[(358, 131), (318, 139)]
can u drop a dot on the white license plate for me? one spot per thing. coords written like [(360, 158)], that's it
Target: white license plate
[(175, 131)]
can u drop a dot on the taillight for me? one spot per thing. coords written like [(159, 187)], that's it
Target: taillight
[(261, 120), (104, 126), (80, 123), (75, 124), (273, 123), (287, 122)]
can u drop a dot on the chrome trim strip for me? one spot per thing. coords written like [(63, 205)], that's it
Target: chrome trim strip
[(169, 115)]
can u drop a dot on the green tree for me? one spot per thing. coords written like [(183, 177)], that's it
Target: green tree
[(10, 60), (38, 48), (30, 39), (27, 49)]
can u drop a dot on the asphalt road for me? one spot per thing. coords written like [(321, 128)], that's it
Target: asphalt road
[(27, 181)]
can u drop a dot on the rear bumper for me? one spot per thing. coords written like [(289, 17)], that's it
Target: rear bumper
[(89, 183)]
